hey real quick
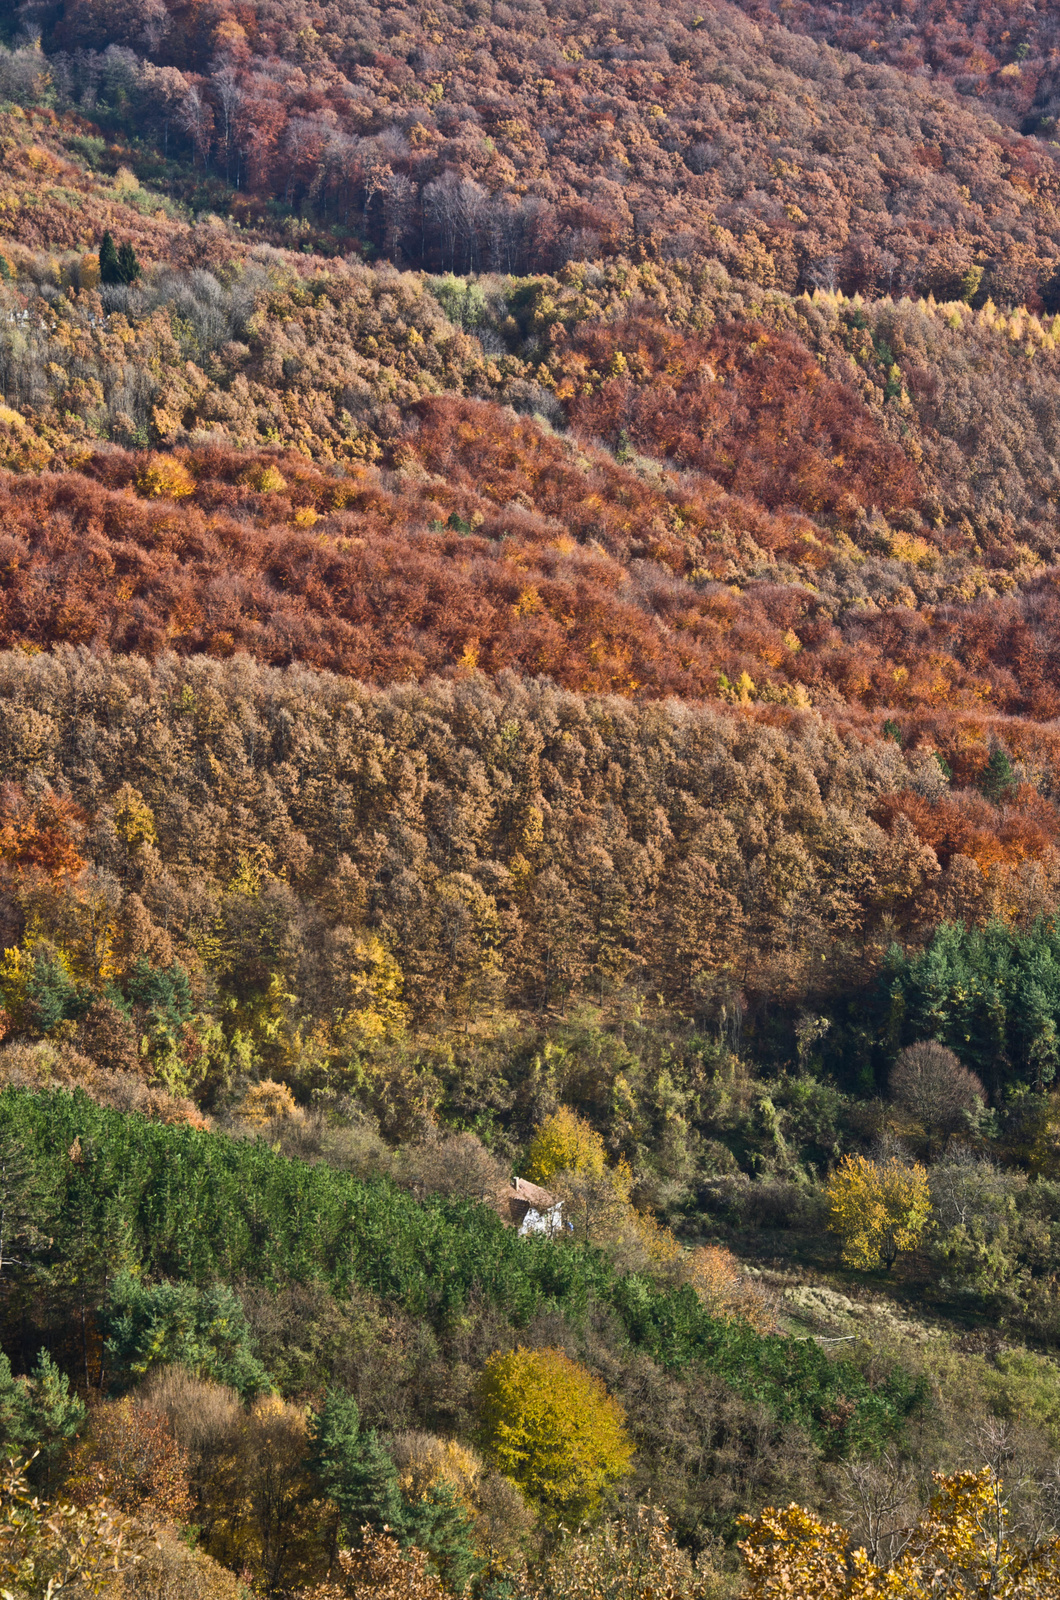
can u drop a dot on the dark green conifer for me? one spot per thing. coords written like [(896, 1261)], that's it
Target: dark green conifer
[(117, 263), (109, 264), (128, 265), (440, 1525), (354, 1468), (998, 777)]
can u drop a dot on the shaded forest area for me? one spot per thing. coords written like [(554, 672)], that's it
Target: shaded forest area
[(515, 138)]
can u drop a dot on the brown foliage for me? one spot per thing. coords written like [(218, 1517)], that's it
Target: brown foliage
[(381, 1569), (928, 1081), (750, 408), (63, 1066), (517, 143), (131, 1458)]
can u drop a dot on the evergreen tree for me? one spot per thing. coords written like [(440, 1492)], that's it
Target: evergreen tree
[(440, 1525), (117, 263), (109, 264), (27, 1202), (128, 265), (52, 1418), (354, 1468), (178, 1324), (16, 1432), (998, 777)]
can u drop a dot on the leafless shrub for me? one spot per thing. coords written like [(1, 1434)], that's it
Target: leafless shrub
[(459, 1167), (930, 1083)]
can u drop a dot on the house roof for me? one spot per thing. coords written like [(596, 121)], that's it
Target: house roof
[(518, 1197), (537, 1199)]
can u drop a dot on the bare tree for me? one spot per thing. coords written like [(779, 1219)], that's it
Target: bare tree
[(878, 1500), (398, 198), (196, 118), (929, 1082), (967, 1191), (226, 87), (460, 1167)]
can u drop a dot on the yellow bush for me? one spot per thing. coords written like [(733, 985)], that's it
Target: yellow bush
[(266, 478), (960, 1547), (267, 1100), (165, 478), (552, 1427), (878, 1208)]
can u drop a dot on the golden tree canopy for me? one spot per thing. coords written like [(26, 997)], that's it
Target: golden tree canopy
[(552, 1427), (959, 1548), (878, 1208), (565, 1142)]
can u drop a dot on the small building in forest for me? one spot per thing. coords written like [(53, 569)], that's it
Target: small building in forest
[(531, 1209)]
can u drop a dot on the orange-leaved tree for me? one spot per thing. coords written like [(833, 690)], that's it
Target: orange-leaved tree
[(131, 1456), (551, 1425)]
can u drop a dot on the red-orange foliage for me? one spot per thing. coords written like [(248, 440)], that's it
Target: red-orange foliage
[(131, 1458), (966, 824), (41, 834), (512, 548), (751, 408)]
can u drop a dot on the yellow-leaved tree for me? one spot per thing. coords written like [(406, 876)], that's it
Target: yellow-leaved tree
[(960, 1547), (551, 1426), (565, 1142), (878, 1208)]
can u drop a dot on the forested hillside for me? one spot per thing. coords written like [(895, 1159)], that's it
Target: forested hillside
[(529, 648)]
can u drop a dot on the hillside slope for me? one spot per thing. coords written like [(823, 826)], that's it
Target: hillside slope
[(529, 646)]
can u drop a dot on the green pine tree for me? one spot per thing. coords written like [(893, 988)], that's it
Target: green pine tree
[(16, 1430), (128, 265), (27, 1202), (109, 265), (53, 1417), (355, 1470), (998, 777), (441, 1525)]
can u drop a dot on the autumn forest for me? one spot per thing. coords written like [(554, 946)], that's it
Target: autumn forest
[(529, 800)]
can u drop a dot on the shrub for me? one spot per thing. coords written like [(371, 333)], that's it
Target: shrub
[(50, 1547), (266, 1102), (202, 1416), (422, 1460), (552, 1426), (266, 478), (381, 1569), (635, 1559), (165, 478), (928, 1081), (725, 1290), (959, 1547)]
